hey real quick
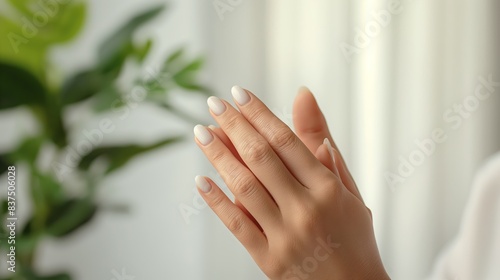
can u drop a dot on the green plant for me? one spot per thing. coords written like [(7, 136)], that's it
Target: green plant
[(26, 80)]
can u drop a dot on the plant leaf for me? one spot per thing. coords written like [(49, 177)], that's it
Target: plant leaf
[(186, 77), (63, 20), (66, 24), (112, 53), (118, 156), (191, 67), (70, 216), (143, 51), (118, 46), (19, 87), (27, 150), (51, 189), (106, 99), (22, 6), (175, 56), (84, 85)]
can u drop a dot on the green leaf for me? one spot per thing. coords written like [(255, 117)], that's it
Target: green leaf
[(83, 85), (19, 50), (142, 52), (54, 123), (107, 98), (50, 188), (70, 216), (62, 21), (66, 24), (27, 150), (191, 68), (19, 87), (26, 42), (118, 156), (175, 56), (22, 6), (186, 77), (114, 51)]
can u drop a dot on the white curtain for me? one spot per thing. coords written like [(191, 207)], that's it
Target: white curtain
[(385, 93)]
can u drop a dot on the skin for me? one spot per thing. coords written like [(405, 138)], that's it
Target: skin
[(297, 211)]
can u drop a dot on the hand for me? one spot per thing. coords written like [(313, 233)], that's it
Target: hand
[(301, 221), (312, 129)]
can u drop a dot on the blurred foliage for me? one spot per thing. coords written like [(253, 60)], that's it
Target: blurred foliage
[(32, 29)]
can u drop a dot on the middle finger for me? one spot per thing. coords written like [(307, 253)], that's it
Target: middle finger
[(255, 152)]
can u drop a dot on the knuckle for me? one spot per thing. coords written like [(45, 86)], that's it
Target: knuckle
[(283, 139), (332, 187), (257, 152), (231, 122), (218, 156), (243, 185), (236, 224), (217, 202), (256, 115)]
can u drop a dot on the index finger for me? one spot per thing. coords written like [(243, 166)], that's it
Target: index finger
[(294, 154)]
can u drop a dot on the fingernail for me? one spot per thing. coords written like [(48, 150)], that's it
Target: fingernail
[(303, 89), (330, 148), (202, 184), (212, 127), (203, 135), (240, 95), (216, 105)]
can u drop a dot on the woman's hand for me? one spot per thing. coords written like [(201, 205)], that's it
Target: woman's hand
[(294, 215)]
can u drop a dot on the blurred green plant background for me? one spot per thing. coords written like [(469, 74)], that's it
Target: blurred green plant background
[(27, 79)]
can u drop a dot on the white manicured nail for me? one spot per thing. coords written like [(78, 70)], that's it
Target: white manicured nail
[(330, 148), (240, 95), (202, 184), (203, 135), (216, 105)]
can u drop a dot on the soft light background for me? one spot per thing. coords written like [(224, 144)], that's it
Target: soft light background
[(391, 93)]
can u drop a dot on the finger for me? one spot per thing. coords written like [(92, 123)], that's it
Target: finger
[(308, 120), (324, 154), (345, 175), (242, 183), (223, 137), (293, 153), (311, 126), (242, 207), (232, 216), (255, 152)]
